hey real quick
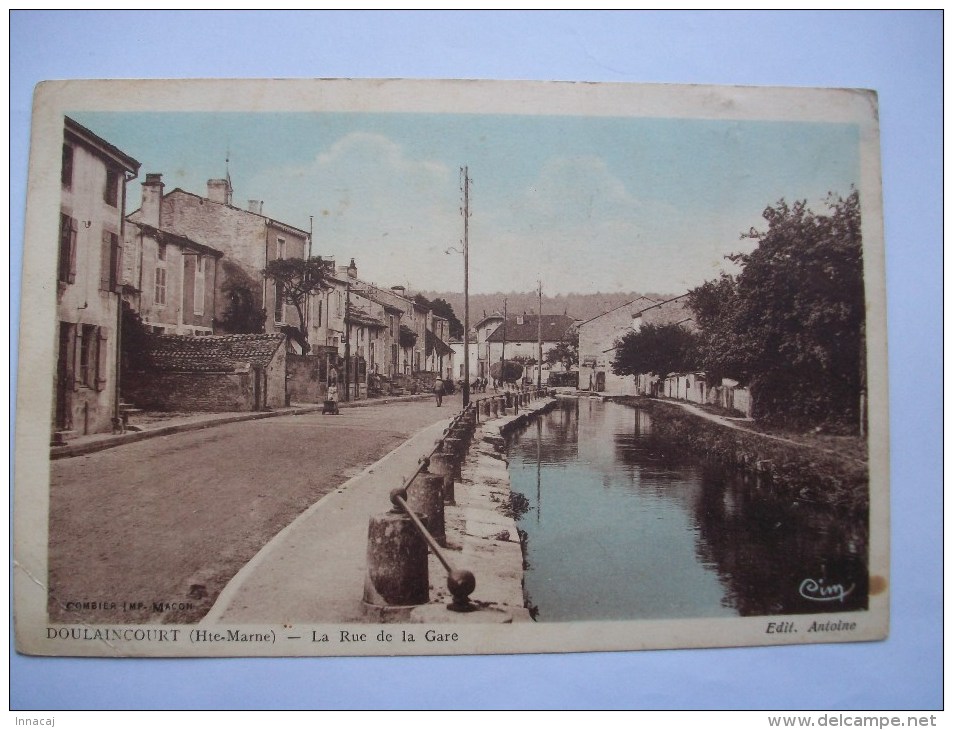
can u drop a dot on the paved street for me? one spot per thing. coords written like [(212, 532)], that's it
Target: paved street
[(170, 520)]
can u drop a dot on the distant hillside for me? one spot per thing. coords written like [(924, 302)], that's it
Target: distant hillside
[(579, 306)]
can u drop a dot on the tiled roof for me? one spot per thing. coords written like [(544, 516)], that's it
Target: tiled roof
[(554, 328), (212, 353), (356, 316)]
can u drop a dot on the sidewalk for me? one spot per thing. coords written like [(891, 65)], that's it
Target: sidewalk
[(100, 441)]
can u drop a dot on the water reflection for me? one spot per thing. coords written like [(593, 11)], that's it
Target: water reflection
[(635, 526)]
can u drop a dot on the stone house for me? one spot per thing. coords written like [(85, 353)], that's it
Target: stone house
[(215, 373), (93, 180), (598, 337), (170, 280), (247, 240), (518, 337)]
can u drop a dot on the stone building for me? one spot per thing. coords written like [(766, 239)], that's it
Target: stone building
[(170, 279), (93, 179), (247, 240), (518, 338), (214, 373), (598, 337)]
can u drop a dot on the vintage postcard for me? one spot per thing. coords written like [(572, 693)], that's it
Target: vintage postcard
[(381, 367)]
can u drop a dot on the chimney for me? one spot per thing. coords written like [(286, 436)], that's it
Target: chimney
[(255, 206), (150, 212), (399, 289), (352, 270), (220, 191)]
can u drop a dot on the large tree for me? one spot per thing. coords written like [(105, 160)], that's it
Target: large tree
[(295, 281), (443, 308), (565, 352), (656, 348), (792, 322)]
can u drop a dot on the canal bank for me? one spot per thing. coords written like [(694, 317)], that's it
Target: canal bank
[(481, 526), (626, 521), (794, 471)]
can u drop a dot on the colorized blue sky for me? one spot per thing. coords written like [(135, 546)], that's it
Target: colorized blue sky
[(583, 203)]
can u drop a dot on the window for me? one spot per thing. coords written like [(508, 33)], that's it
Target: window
[(393, 331), (281, 248), (160, 252), (110, 267), (160, 286), (66, 174), (92, 355), (67, 263), (199, 299), (279, 302), (111, 191), (320, 303)]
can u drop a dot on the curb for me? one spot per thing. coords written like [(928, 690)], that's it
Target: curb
[(130, 437)]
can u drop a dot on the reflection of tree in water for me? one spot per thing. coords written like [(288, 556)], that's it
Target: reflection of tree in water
[(763, 549), (559, 441)]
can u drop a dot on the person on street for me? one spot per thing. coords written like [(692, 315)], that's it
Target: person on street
[(331, 403), (438, 391)]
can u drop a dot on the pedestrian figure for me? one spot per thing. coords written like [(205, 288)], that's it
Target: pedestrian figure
[(438, 391), (331, 401)]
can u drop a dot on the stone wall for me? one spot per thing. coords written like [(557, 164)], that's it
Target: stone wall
[(177, 391), (307, 378)]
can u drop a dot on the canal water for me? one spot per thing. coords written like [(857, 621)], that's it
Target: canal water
[(621, 524)]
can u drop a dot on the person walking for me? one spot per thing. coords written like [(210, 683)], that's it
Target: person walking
[(438, 391)]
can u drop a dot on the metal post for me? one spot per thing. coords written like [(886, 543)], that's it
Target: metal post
[(466, 286)]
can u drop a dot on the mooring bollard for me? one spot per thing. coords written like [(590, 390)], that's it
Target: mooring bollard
[(425, 497), (442, 464), (397, 573), (456, 450)]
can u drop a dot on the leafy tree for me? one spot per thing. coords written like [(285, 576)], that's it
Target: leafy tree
[(298, 279), (135, 341), (792, 322), (660, 349), (565, 352), (443, 308), (406, 337), (242, 314), (509, 371)]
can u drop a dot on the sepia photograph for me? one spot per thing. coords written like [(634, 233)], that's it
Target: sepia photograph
[(407, 367)]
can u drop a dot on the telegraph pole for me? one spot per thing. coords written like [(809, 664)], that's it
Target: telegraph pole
[(466, 285), (503, 352), (539, 339)]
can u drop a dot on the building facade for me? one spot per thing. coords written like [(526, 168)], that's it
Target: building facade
[(170, 280), (93, 179), (598, 337), (518, 338), (247, 240)]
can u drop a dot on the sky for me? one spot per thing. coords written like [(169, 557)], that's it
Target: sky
[(581, 204)]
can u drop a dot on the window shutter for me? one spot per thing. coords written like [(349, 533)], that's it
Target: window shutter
[(77, 357), (116, 261), (69, 374), (102, 358), (104, 262), (73, 235)]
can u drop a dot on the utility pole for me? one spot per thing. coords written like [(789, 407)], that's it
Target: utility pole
[(503, 352), (539, 339), (466, 285), (347, 342)]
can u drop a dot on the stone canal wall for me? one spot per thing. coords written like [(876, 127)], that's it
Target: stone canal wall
[(480, 527), (793, 471)]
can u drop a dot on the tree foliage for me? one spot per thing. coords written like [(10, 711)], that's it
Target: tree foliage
[(296, 280), (242, 314), (508, 371), (442, 308), (791, 324), (656, 348), (565, 352)]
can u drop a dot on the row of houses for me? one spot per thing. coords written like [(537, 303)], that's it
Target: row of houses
[(598, 338), (191, 267), (514, 337)]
